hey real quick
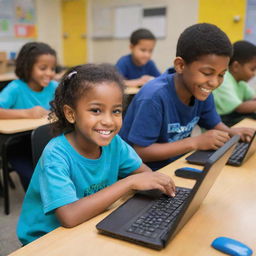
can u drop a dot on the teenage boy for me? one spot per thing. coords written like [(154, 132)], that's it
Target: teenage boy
[(161, 117)]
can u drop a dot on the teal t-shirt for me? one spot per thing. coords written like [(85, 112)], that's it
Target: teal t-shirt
[(231, 94), (18, 95), (63, 176)]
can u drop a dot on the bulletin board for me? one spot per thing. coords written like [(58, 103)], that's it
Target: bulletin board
[(250, 24), (17, 19), (119, 22)]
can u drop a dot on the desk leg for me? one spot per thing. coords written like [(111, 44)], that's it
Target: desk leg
[(5, 181)]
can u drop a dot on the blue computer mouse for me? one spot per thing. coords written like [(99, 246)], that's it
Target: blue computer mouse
[(188, 172), (231, 246)]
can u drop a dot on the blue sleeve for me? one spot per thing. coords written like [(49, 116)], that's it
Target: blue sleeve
[(8, 95), (146, 124), (129, 160), (56, 186), (209, 117), (121, 67), (154, 70)]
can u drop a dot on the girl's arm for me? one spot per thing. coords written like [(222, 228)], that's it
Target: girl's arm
[(35, 112), (78, 212)]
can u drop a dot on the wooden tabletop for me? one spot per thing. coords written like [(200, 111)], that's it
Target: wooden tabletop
[(132, 90), (228, 210), (11, 126), (7, 77)]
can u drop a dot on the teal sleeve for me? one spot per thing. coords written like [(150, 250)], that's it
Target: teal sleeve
[(129, 159), (8, 95), (56, 186)]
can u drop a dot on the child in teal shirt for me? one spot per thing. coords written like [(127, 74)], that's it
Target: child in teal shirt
[(87, 167)]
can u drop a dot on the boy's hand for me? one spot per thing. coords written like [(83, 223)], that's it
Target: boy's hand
[(144, 79), (153, 180), (37, 112), (244, 133), (212, 139)]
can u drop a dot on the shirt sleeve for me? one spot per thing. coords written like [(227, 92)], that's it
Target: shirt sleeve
[(56, 187), (8, 96), (154, 70), (121, 67), (129, 159), (146, 125), (248, 92), (209, 117)]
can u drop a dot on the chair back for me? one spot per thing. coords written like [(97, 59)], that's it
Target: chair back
[(39, 138)]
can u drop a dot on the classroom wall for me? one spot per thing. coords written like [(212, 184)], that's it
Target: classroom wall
[(180, 14), (49, 24)]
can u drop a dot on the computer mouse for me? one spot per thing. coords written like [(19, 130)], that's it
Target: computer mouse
[(231, 246), (188, 172)]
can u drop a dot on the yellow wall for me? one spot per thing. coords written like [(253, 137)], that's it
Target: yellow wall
[(222, 13)]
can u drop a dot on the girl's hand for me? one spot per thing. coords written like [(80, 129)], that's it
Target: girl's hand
[(153, 180), (212, 139), (37, 112)]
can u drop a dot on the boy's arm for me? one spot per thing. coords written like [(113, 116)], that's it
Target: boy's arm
[(78, 212), (248, 106), (212, 139), (138, 82)]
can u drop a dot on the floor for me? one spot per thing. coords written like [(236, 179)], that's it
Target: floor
[(8, 239)]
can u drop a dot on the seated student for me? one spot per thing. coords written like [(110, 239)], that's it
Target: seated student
[(234, 99), (160, 118), (77, 176), (137, 68), (28, 97)]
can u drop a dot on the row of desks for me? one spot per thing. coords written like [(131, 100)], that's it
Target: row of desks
[(228, 210)]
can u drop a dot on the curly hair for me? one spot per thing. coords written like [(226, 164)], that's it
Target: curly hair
[(141, 34), (74, 85), (202, 39), (243, 52), (27, 57)]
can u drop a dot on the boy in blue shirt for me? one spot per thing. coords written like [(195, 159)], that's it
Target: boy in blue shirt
[(161, 117), (137, 68), (234, 99)]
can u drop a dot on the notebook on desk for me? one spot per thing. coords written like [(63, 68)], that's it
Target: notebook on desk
[(241, 153), (152, 219)]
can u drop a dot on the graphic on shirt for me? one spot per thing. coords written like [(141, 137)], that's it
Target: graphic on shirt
[(95, 188), (179, 132)]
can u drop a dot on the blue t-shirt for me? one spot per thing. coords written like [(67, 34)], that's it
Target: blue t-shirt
[(63, 176), (129, 70), (18, 95), (157, 115)]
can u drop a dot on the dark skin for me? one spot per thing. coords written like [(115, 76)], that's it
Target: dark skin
[(197, 79)]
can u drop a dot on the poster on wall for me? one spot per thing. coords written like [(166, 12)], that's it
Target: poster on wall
[(18, 18), (25, 19)]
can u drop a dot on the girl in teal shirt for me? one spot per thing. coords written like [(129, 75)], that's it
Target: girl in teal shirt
[(87, 167)]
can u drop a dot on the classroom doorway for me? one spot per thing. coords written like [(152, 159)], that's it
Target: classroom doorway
[(74, 31)]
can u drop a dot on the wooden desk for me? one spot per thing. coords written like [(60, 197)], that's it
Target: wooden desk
[(228, 210), (7, 77), (10, 128)]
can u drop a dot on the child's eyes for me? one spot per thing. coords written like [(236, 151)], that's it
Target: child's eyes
[(117, 111), (95, 110)]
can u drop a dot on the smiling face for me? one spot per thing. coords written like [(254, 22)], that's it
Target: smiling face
[(199, 78), (43, 72), (142, 51), (97, 118)]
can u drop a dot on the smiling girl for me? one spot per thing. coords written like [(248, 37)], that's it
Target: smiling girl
[(87, 167)]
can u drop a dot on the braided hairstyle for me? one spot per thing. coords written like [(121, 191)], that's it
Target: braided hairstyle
[(74, 85), (27, 57)]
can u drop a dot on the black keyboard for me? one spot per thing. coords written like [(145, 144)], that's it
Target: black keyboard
[(160, 215), (238, 153)]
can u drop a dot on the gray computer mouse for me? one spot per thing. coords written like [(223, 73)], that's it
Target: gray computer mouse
[(231, 246)]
